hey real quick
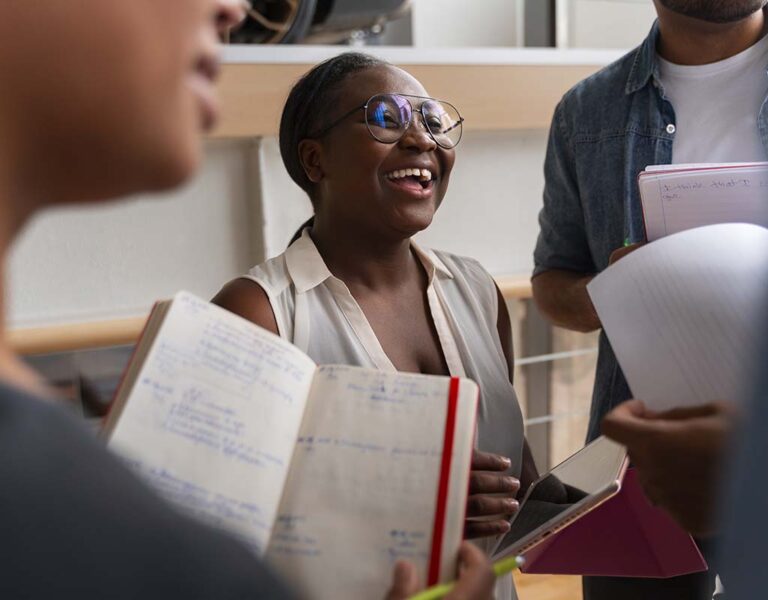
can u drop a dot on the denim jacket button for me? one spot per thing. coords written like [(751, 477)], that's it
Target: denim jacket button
[(671, 128)]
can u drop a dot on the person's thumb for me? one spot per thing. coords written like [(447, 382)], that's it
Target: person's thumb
[(476, 577), (405, 582)]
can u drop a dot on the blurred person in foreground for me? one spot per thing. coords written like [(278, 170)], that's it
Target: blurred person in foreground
[(706, 462), (111, 100)]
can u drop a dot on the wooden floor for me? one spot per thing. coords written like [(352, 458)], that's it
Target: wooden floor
[(547, 587)]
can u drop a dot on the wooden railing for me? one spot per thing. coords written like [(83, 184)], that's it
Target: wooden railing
[(116, 332)]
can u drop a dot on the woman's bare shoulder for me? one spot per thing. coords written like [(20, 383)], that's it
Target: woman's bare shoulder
[(248, 299)]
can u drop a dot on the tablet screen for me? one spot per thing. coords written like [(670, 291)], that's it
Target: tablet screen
[(585, 475)]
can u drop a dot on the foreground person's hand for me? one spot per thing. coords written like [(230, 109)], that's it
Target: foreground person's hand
[(475, 580), (678, 455), (620, 253), (491, 494)]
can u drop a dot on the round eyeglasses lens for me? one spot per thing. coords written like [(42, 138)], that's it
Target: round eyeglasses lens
[(443, 121), (388, 117)]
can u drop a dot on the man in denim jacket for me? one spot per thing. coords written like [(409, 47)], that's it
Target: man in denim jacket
[(694, 91)]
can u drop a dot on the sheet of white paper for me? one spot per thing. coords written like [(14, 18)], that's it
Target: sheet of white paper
[(214, 415), (682, 314), (676, 200), (697, 166), (362, 489)]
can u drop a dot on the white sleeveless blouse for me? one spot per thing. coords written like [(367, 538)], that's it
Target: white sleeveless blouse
[(316, 311)]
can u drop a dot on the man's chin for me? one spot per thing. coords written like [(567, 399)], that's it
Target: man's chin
[(715, 11)]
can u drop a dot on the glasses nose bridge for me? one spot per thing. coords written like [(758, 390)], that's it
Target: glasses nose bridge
[(414, 129)]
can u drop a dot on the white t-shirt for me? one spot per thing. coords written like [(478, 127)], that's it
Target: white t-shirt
[(717, 106)]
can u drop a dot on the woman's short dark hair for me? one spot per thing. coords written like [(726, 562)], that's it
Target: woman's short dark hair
[(308, 107)]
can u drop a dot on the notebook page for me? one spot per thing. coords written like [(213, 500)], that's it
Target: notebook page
[(681, 313), (362, 490), (212, 421), (678, 200)]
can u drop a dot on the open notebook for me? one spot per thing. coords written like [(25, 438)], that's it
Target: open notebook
[(333, 473), (683, 314), (680, 197)]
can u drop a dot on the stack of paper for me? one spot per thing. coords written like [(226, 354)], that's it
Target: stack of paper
[(684, 314), (680, 197)]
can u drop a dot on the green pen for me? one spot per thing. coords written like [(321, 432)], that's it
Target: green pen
[(500, 568)]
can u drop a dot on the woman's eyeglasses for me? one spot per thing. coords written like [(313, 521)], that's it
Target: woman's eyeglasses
[(388, 117)]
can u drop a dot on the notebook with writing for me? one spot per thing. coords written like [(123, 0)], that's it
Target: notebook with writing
[(680, 197), (319, 469)]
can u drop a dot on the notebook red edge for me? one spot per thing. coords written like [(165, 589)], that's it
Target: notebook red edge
[(438, 528)]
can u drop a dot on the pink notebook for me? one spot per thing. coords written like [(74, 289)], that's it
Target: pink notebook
[(624, 537)]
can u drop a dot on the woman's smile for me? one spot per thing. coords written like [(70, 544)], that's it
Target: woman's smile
[(416, 181)]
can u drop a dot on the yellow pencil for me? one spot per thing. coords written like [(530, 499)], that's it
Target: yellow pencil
[(504, 566)]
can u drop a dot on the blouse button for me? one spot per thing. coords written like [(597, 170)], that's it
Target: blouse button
[(671, 128)]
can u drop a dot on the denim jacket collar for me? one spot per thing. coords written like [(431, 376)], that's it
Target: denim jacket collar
[(646, 64)]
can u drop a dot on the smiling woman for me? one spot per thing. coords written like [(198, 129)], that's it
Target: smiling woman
[(374, 152)]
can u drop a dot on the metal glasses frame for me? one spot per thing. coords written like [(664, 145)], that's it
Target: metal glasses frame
[(420, 110)]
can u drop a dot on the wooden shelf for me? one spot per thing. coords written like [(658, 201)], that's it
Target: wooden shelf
[(102, 334), (495, 89)]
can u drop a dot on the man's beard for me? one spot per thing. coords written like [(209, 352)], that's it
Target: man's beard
[(715, 11)]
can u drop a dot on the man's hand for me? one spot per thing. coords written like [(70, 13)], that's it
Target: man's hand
[(620, 253), (475, 580), (491, 496), (678, 455)]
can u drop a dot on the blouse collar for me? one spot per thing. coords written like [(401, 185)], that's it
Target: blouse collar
[(308, 270)]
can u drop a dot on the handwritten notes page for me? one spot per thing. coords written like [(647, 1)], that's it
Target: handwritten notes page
[(363, 485), (213, 417), (677, 199), (683, 314)]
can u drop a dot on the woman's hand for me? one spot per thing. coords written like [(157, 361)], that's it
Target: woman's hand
[(491, 494), (475, 580)]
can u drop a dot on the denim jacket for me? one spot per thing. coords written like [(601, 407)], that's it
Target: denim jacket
[(605, 131)]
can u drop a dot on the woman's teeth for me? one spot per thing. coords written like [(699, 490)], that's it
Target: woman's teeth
[(421, 174)]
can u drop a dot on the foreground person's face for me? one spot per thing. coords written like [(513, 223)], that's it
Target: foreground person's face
[(107, 97)]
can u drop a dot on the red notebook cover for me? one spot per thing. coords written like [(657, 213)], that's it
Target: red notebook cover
[(624, 537)]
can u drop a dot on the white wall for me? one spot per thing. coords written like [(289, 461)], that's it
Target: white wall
[(605, 23), (115, 260), (466, 22)]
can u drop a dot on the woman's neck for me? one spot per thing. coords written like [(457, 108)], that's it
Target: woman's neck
[(363, 258), (687, 41)]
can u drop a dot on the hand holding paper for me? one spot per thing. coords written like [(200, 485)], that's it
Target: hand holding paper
[(678, 455)]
